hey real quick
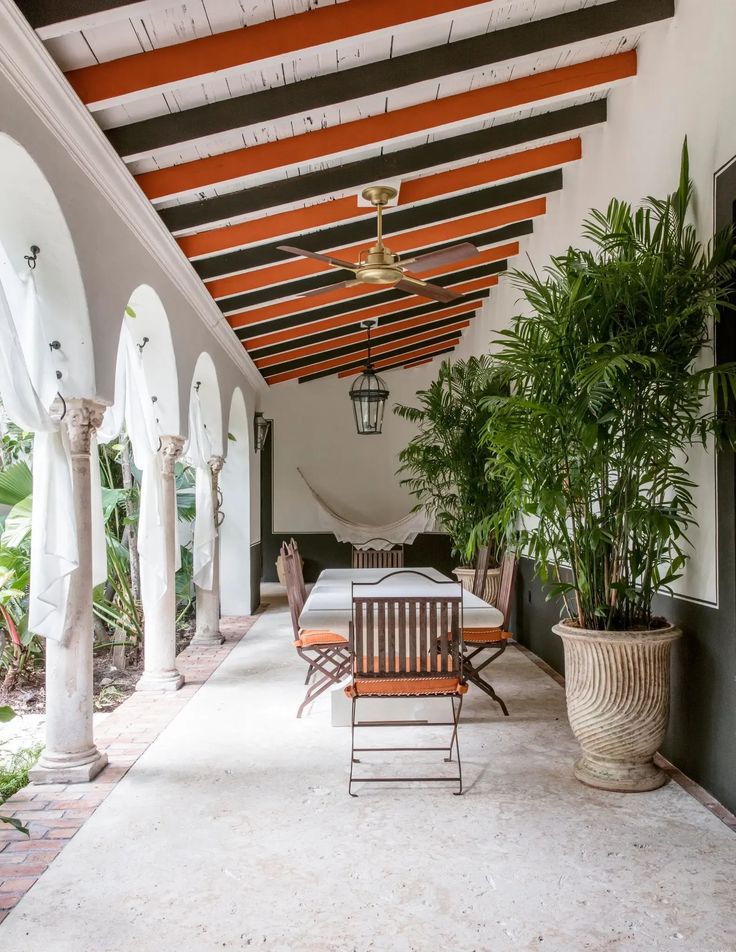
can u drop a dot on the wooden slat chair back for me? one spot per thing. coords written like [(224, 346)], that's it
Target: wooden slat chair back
[(406, 647), (482, 562), (478, 640), (298, 568), (325, 652), (392, 558)]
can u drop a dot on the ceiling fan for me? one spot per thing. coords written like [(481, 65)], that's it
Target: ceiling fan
[(379, 265)]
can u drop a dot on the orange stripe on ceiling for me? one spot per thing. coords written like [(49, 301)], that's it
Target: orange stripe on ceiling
[(229, 50), (381, 331), (328, 323), (260, 313), (301, 220), (420, 352), (361, 354), (417, 363), (404, 241), (164, 183)]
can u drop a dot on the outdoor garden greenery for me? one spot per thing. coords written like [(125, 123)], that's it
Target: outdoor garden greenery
[(444, 465), (610, 389)]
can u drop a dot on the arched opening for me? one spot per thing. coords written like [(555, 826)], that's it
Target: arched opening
[(205, 389), (235, 581)]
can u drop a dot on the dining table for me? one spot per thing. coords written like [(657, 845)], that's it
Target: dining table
[(329, 605)]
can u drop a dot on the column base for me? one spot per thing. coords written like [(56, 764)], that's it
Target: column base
[(52, 771), (208, 639), (160, 682)]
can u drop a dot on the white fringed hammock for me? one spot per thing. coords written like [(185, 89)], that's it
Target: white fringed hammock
[(403, 531)]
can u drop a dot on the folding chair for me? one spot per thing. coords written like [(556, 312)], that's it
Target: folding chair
[(392, 558), (406, 647), (478, 640), (327, 654)]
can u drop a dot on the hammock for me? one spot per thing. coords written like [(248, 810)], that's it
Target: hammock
[(371, 537)]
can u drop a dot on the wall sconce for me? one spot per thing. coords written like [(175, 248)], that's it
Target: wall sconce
[(261, 427)]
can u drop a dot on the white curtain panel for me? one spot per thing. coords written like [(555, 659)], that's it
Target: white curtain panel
[(403, 531), (135, 410), (28, 388), (199, 451)]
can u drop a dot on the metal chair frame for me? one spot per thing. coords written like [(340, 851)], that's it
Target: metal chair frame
[(416, 638), (472, 669), (331, 661), (392, 558)]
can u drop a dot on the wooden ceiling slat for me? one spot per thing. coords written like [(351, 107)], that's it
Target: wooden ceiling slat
[(383, 349), (341, 351), (391, 363), (42, 13), (403, 353), (418, 363), (476, 52), (302, 220), (369, 300), (365, 294), (297, 349), (330, 328), (309, 322), (233, 49), (353, 175), (268, 264), (386, 127)]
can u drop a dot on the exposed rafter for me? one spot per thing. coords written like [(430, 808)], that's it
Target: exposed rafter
[(353, 175), (390, 363), (403, 353), (475, 52)]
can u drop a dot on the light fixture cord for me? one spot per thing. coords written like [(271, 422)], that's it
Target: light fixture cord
[(368, 330)]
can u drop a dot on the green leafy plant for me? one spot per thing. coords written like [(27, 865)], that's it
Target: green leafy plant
[(14, 771), (609, 393), (444, 465)]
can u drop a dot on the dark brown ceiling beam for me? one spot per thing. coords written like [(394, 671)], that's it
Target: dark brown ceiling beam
[(353, 175), (400, 352), (45, 13), (476, 52)]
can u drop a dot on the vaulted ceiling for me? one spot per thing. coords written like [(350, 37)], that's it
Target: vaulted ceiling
[(250, 124)]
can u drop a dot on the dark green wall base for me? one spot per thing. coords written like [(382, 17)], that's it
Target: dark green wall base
[(256, 572), (701, 740)]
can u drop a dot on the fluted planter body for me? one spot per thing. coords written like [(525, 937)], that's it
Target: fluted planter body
[(466, 576), (618, 701)]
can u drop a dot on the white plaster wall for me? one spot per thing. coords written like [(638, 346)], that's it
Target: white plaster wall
[(684, 86)]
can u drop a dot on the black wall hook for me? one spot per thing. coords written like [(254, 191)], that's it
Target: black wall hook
[(197, 385), (31, 258), (55, 345), (143, 344)]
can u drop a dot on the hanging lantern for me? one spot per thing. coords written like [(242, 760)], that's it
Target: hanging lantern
[(368, 394)]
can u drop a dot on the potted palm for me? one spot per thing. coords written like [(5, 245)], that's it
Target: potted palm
[(609, 393), (444, 465)]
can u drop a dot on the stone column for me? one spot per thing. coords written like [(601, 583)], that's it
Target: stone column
[(70, 755), (208, 599), (159, 639)]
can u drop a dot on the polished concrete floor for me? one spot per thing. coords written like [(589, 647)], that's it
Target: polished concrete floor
[(234, 831)]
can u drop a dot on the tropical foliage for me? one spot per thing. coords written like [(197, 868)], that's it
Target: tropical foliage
[(610, 390), (444, 465)]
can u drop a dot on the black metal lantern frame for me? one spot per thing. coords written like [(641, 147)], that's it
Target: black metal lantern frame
[(261, 426), (369, 394)]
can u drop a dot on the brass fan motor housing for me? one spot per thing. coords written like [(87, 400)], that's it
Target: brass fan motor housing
[(379, 266)]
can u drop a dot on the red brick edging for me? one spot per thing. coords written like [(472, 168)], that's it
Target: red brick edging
[(53, 813)]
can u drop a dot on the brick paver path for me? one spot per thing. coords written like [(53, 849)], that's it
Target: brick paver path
[(54, 812)]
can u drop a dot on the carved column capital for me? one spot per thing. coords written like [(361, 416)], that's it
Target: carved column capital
[(83, 416), (171, 450), (215, 464)]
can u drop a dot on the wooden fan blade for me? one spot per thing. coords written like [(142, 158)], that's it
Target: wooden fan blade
[(335, 262), (331, 287), (433, 291), (435, 259)]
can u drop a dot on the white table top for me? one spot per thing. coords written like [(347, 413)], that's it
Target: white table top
[(329, 604)]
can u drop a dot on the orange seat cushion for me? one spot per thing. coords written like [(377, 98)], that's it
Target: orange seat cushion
[(309, 637), (482, 636), (404, 687)]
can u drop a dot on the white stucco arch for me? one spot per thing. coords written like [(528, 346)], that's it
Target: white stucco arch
[(206, 386), (235, 581), (31, 215), (146, 319)]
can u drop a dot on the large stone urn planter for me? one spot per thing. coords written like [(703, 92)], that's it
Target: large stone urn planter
[(466, 577), (618, 702)]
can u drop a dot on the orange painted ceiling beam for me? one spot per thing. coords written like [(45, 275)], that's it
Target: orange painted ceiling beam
[(190, 176), (418, 363), (232, 49), (361, 354), (381, 331), (300, 304), (301, 220), (420, 352), (401, 242), (329, 323)]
